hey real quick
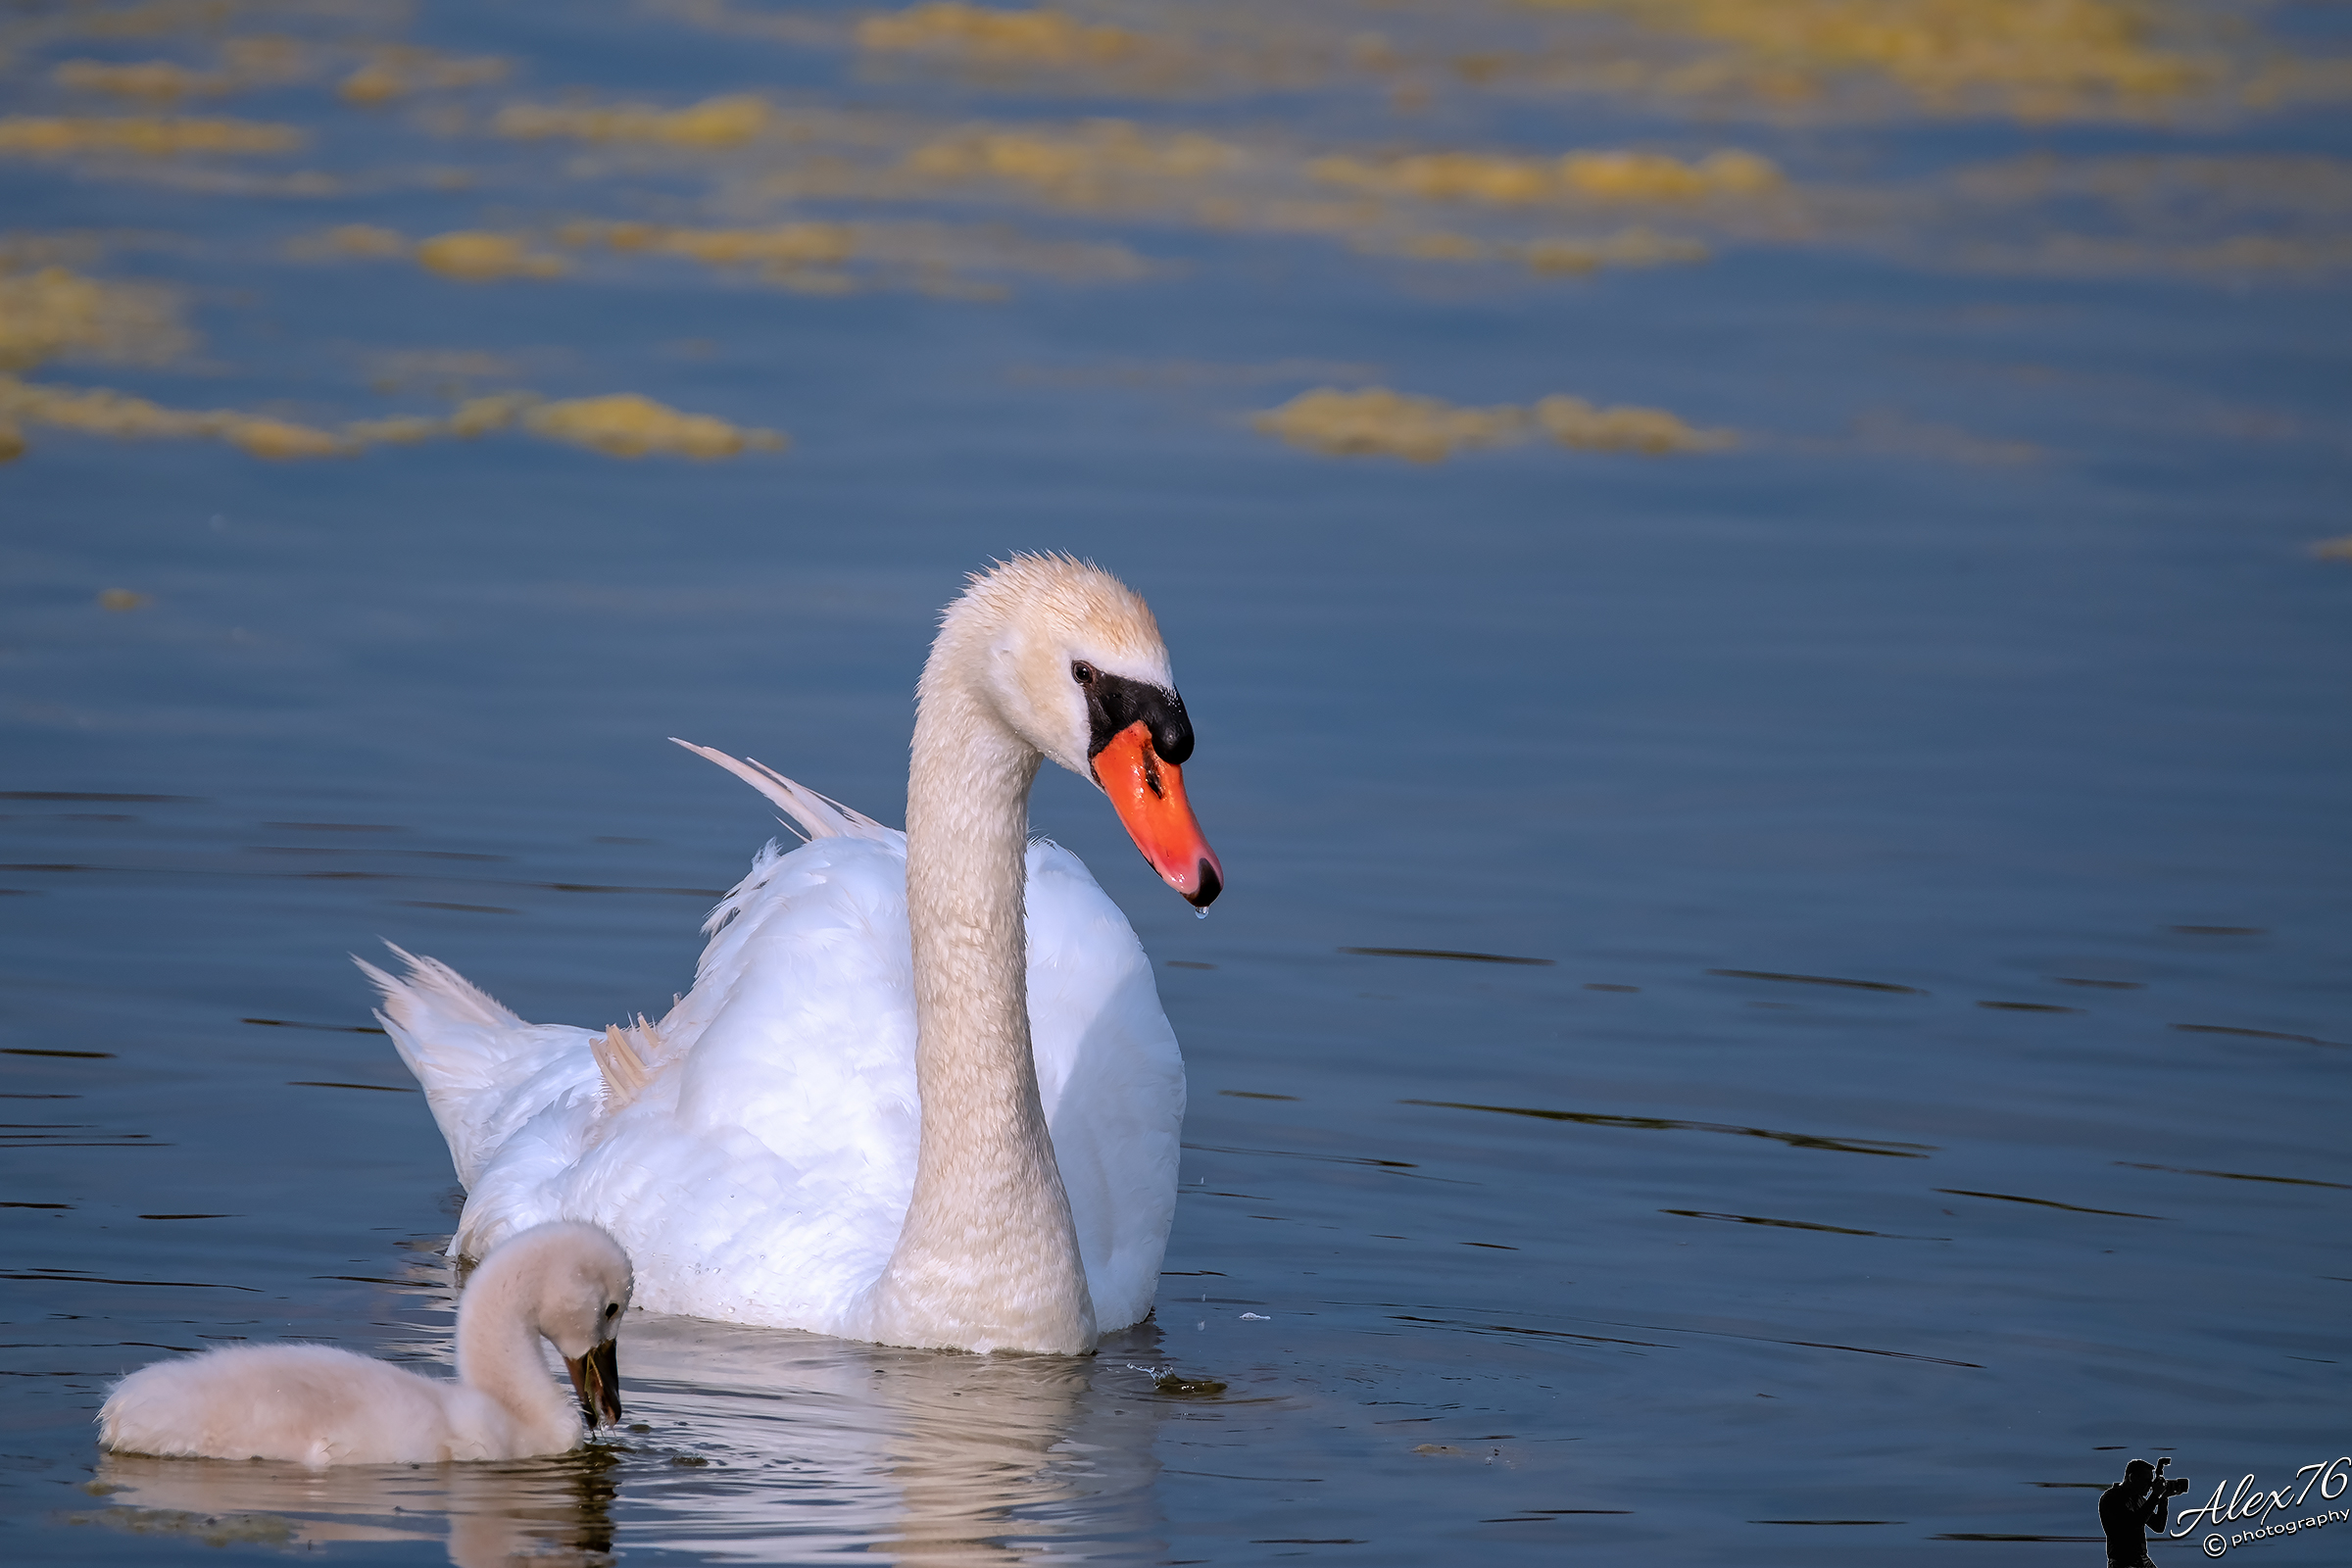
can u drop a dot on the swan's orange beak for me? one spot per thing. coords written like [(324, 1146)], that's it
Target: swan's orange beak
[(1148, 792)]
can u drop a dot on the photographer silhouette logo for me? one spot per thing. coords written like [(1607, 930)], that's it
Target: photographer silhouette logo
[(2134, 1506), (2251, 1508)]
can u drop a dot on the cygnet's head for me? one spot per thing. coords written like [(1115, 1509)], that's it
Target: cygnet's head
[(576, 1282), (1071, 660)]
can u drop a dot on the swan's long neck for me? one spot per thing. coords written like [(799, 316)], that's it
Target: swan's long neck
[(498, 1353), (988, 1259)]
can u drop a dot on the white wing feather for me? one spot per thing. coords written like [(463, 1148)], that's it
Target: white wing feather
[(758, 1170)]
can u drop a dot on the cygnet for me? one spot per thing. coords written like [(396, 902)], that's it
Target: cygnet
[(566, 1282)]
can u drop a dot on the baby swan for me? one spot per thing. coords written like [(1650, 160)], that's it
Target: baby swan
[(566, 1282)]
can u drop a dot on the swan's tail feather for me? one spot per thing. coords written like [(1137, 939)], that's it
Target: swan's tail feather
[(628, 1056), (817, 816), (468, 1052), (445, 1027)]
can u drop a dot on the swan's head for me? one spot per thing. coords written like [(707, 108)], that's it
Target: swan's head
[(576, 1282), (1071, 660)]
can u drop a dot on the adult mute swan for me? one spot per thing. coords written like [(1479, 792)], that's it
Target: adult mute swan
[(922, 1092), (318, 1405)]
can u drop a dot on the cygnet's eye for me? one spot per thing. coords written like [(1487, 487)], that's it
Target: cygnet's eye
[(611, 1310), (1083, 673)]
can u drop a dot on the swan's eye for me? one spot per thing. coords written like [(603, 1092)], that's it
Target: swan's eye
[(611, 1310), (1083, 673)]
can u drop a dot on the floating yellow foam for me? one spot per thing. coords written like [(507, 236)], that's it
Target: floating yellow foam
[(1096, 164), (1023, 37), (159, 79), (2333, 549), (479, 257), (146, 137), (121, 600), (1574, 423), (623, 424), (713, 123), (1631, 247), (1377, 421), (2037, 56), (1653, 177), (54, 311), (400, 430), (783, 245), (94, 410), (813, 257), (479, 417), (1618, 177), (626, 425), (396, 73)]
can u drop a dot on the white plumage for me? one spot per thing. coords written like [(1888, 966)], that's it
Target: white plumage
[(758, 1148), (319, 1405)]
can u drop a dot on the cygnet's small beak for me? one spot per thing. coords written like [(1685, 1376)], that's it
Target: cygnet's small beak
[(1148, 792), (596, 1379)]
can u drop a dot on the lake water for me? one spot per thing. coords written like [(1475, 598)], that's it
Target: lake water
[(1918, 818)]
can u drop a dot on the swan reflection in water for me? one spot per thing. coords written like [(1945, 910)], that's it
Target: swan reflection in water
[(543, 1510), (764, 1446)]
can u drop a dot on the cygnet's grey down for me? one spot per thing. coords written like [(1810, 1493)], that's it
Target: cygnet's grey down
[(566, 1282)]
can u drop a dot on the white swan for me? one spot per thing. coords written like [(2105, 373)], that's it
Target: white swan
[(922, 1092), (318, 1405)]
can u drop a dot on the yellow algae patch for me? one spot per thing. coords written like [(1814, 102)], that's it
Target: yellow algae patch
[(785, 245), (159, 79), (627, 425), (623, 425), (2036, 57), (1618, 177), (53, 310), (396, 72), (146, 137), (1574, 423), (1021, 37), (811, 256), (479, 417), (1377, 421), (1652, 176), (1446, 176), (713, 123), (278, 439), (94, 410), (1631, 247), (799, 256), (122, 600), (2333, 549), (1443, 247), (479, 257), (1094, 165), (400, 429)]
